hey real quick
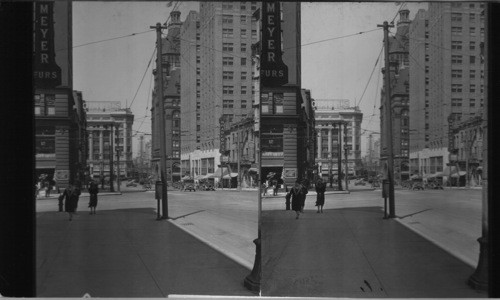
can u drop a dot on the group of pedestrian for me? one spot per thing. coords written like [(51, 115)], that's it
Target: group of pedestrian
[(273, 184), (71, 195), (297, 196)]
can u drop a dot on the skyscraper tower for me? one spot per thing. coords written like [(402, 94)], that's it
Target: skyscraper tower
[(216, 78)]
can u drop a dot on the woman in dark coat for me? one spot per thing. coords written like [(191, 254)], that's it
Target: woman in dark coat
[(93, 190), (320, 194), (71, 197), (296, 196)]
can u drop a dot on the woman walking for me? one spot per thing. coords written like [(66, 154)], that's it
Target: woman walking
[(93, 190), (296, 195), (320, 194), (71, 196)]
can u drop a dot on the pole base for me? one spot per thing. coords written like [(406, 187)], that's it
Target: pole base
[(252, 281), (479, 280)]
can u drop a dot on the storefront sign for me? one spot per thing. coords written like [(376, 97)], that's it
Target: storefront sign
[(273, 72), (62, 175), (290, 173), (47, 74)]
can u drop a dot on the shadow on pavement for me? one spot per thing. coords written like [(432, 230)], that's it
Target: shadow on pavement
[(354, 252)]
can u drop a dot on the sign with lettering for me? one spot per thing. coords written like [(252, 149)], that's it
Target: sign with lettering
[(47, 74), (273, 72), (222, 137)]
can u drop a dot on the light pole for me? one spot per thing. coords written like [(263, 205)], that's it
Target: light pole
[(346, 149), (161, 117)]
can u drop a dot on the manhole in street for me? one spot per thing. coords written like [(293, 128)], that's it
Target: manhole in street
[(187, 224)]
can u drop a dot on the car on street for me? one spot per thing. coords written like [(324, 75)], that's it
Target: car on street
[(189, 188)]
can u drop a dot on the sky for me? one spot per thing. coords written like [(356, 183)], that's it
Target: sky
[(112, 69)]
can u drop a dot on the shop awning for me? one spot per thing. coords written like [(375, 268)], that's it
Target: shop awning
[(232, 175), (186, 178), (438, 174), (450, 170), (255, 170), (217, 173), (461, 173)]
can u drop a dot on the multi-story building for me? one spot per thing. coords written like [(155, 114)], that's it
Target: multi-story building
[(216, 80), (240, 144), (107, 155), (59, 114), (446, 82), (171, 73), (399, 100), (338, 128)]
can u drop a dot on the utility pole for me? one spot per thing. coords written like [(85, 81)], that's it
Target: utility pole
[(161, 117), (388, 121), (339, 157), (118, 183)]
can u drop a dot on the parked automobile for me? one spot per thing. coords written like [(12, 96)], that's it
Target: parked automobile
[(189, 188)]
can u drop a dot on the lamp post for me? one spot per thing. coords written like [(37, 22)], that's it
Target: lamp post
[(346, 149)]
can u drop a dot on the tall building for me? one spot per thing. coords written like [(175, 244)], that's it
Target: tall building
[(107, 156), (332, 142), (171, 72), (399, 100), (59, 114), (216, 80), (446, 82)]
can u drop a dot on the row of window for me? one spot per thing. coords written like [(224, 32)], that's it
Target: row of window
[(457, 17), (458, 88), (457, 30), (229, 61), (229, 33), (457, 102), (229, 47), (243, 5), (458, 59), (456, 73), (229, 19), (229, 90), (229, 75), (457, 45), (471, 5)]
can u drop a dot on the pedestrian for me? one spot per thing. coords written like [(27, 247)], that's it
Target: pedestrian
[(296, 197), (93, 191), (320, 194), (72, 194), (275, 187), (264, 187), (304, 194), (61, 200), (48, 187)]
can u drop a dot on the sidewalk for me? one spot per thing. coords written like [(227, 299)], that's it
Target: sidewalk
[(127, 253), (354, 252)]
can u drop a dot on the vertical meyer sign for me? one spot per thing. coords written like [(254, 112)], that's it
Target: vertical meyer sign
[(273, 72), (47, 74)]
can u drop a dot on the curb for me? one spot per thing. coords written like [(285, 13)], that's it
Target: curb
[(224, 252)]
